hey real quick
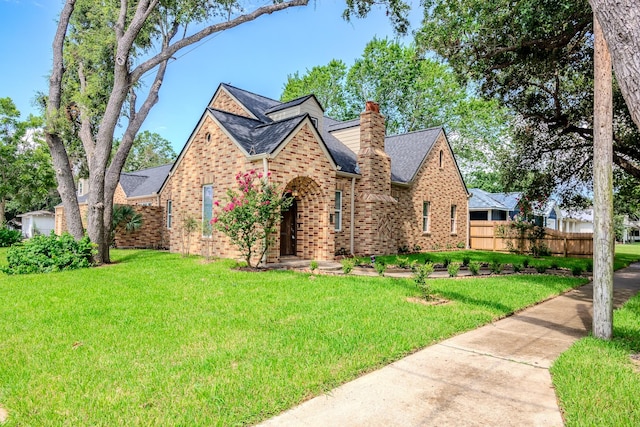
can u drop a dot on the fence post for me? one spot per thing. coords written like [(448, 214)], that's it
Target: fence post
[(493, 228)]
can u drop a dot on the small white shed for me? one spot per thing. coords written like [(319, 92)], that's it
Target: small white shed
[(37, 222)]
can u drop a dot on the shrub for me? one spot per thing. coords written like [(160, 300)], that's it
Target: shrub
[(45, 254), (466, 260), (589, 266), (380, 267), (403, 249), (9, 237), (453, 269), (313, 265), (474, 267), (496, 267), (461, 245), (402, 262), (576, 270), (526, 262), (446, 261), (555, 265), (517, 268), (420, 276), (541, 268), (347, 265)]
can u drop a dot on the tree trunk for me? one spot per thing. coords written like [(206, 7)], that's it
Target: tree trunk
[(3, 203), (603, 235), (620, 21)]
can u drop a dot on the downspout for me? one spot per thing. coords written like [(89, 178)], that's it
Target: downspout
[(265, 168), (469, 223), (353, 215)]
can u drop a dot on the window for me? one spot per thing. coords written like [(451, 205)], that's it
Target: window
[(441, 157), (207, 209), (169, 213), (315, 122), (145, 204), (338, 211), (453, 219), (425, 217), (80, 187)]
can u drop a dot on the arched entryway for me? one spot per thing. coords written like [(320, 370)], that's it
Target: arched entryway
[(304, 230)]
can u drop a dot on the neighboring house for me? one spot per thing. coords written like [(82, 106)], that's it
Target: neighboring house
[(356, 191), (485, 206), (631, 230), (577, 221), (135, 188), (37, 222)]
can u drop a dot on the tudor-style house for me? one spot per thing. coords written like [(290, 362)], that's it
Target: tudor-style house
[(356, 190)]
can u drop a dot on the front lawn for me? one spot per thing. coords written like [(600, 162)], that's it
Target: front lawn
[(157, 339), (597, 381)]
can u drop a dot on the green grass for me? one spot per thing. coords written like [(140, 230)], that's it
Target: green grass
[(596, 381), (157, 339)]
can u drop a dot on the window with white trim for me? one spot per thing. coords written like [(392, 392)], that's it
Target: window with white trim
[(338, 211), (169, 213), (425, 216), (453, 219), (207, 209)]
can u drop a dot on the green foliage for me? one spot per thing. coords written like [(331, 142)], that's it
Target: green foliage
[(9, 237), (149, 150), (45, 254), (124, 218), (250, 216), (402, 262), (313, 265), (541, 268), (414, 92), (466, 260), (347, 265), (380, 267), (446, 261), (188, 226), (577, 270), (453, 269), (526, 262), (554, 264), (420, 276), (474, 268), (589, 266), (517, 268), (496, 266)]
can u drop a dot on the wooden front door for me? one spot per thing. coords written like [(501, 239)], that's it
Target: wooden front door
[(288, 231)]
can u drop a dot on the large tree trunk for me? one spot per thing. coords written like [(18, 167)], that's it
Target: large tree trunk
[(620, 21), (603, 235)]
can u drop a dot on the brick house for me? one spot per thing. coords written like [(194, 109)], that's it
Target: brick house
[(356, 190), (140, 189)]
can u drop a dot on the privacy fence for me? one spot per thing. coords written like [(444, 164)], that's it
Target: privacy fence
[(487, 236)]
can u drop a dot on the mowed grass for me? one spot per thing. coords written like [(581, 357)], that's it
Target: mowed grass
[(597, 381), (157, 339)]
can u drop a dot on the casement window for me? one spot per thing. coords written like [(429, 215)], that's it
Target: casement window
[(425, 217), (338, 211), (207, 209), (453, 219), (169, 213)]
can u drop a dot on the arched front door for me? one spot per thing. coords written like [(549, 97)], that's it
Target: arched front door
[(288, 230)]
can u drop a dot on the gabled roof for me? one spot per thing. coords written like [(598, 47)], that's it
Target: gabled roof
[(481, 199), (256, 137), (408, 151), (293, 103), (145, 182), (256, 104)]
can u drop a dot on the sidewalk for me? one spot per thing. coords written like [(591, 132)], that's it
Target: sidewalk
[(497, 375)]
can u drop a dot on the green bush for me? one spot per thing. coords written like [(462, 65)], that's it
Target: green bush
[(313, 265), (474, 268), (44, 254), (420, 275), (496, 267), (526, 262), (517, 268), (466, 260), (348, 264), (453, 269), (541, 268), (402, 262), (9, 237), (577, 270), (446, 261), (589, 266), (380, 267), (554, 264)]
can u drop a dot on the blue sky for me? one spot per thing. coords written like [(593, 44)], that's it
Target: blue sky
[(256, 56)]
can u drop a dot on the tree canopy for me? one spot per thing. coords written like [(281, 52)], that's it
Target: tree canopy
[(414, 92), (536, 58), (148, 150)]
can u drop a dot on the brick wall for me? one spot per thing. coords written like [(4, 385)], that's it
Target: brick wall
[(152, 233)]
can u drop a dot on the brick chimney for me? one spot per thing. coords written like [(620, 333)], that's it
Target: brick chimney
[(374, 163)]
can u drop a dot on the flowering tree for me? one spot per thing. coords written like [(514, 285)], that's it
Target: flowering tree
[(250, 215)]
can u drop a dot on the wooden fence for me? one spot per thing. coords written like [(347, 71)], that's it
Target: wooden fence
[(485, 235)]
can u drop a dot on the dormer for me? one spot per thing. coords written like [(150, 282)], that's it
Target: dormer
[(305, 105), (348, 133)]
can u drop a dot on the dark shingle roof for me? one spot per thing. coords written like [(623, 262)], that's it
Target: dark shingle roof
[(481, 199), (256, 104), (344, 157), (144, 182), (290, 104), (408, 151), (254, 136)]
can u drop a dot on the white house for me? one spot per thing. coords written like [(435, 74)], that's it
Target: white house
[(37, 222)]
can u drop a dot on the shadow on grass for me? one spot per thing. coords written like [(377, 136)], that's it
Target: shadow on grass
[(128, 255)]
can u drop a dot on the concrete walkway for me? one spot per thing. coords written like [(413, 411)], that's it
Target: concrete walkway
[(497, 375)]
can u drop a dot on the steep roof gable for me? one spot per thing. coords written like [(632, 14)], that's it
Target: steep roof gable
[(145, 182), (408, 151), (254, 104)]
